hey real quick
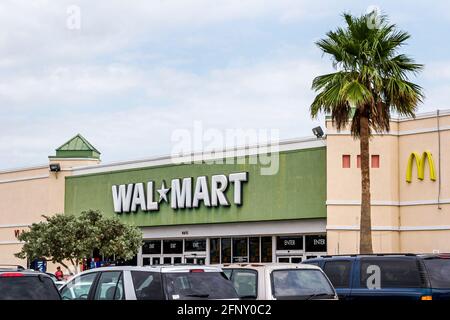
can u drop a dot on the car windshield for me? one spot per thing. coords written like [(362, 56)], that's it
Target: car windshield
[(28, 288), (438, 270), (198, 285), (300, 283), (245, 282)]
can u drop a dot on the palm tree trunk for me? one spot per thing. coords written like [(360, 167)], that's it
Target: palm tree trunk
[(365, 231)]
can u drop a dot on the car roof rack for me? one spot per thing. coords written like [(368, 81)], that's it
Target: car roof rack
[(17, 267), (368, 254)]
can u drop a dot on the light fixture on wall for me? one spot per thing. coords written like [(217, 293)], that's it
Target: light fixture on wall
[(55, 167), (318, 132)]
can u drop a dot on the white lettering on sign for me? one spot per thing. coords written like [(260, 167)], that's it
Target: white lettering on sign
[(138, 198), (122, 197), (201, 193), (183, 193), (151, 205), (319, 242), (219, 184), (289, 242), (237, 179)]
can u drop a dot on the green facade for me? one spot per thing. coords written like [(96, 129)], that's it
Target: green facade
[(297, 191)]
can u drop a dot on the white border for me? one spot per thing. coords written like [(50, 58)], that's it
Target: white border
[(387, 202), (277, 227), (20, 169), (24, 225), (394, 133), (419, 116), (286, 145), (391, 228), (10, 242), (73, 159), (425, 115), (45, 176)]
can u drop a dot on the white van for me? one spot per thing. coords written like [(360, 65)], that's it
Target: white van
[(280, 281)]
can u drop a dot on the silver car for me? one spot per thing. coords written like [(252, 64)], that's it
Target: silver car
[(166, 282)]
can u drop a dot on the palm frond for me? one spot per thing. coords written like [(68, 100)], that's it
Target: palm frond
[(371, 75)]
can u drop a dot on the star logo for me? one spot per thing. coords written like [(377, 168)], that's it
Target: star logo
[(163, 192)]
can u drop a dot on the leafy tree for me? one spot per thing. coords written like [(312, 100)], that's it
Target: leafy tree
[(370, 83), (69, 239)]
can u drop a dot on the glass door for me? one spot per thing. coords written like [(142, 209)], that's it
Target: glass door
[(156, 260), (283, 259), (195, 260), (172, 259), (289, 259), (151, 260), (297, 259)]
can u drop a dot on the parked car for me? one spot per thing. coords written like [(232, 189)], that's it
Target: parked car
[(280, 281), (388, 276), (16, 283), (58, 283), (165, 282)]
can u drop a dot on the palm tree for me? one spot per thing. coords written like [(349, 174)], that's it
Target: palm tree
[(370, 83)]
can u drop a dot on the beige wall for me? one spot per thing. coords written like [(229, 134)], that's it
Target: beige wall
[(27, 194), (406, 216)]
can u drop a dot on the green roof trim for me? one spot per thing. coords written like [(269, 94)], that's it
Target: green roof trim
[(77, 147)]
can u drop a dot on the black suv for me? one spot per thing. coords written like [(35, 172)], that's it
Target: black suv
[(388, 276), (17, 283)]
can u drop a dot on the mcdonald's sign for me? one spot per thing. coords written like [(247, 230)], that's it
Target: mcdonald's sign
[(420, 163)]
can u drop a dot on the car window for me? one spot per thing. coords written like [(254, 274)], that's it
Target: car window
[(338, 272), (394, 273), (300, 283), (28, 288), (198, 285), (439, 271), (147, 285), (109, 286), (52, 276), (78, 288), (228, 272), (245, 282), (120, 292)]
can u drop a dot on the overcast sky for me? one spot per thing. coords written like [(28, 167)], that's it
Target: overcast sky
[(135, 71)]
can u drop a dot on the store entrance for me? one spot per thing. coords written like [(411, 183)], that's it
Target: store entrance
[(174, 251), (149, 260)]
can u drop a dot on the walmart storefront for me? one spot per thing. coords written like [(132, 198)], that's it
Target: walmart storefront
[(222, 211)]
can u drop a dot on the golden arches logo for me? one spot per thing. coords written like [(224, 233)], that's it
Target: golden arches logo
[(420, 163)]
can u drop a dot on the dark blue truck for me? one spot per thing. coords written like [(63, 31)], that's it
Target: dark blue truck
[(388, 276)]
